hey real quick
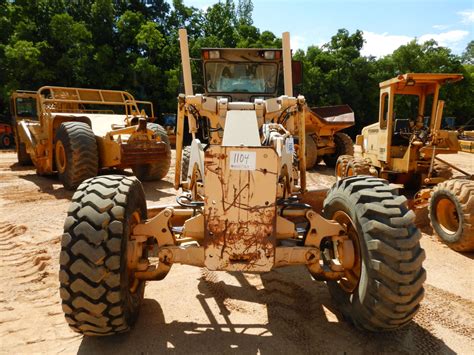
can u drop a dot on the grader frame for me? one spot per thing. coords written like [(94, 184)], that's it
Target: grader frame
[(244, 206)]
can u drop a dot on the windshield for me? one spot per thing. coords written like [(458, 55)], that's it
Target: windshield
[(25, 107), (259, 78)]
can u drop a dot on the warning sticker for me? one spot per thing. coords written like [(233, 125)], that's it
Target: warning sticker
[(241, 160)]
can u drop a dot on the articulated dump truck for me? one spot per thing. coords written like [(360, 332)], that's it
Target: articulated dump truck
[(242, 206), (76, 132)]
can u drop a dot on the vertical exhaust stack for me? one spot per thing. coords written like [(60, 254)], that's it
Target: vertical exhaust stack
[(287, 76), (185, 61)]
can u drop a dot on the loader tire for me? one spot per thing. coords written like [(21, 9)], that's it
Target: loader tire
[(76, 153), (385, 287), (185, 163), (442, 170), (341, 165), (95, 285), (451, 212), (158, 170), (24, 158), (311, 152), (344, 146), (357, 166), (6, 141)]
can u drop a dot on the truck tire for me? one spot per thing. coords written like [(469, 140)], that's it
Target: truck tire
[(344, 146), (185, 163), (158, 170), (6, 141), (311, 152), (95, 285), (383, 292), (442, 170), (357, 166), (341, 165), (451, 211), (24, 158), (76, 153)]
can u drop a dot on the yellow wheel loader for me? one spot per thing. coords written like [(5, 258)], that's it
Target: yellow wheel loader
[(76, 132), (405, 149), (242, 206)]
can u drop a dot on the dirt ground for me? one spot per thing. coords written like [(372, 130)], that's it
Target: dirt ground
[(198, 311)]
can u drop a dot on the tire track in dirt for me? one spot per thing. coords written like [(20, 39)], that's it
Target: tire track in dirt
[(29, 287)]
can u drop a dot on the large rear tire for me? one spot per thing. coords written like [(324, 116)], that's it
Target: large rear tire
[(386, 287), (76, 153), (451, 211), (24, 158), (344, 146), (158, 170), (95, 289), (311, 152), (357, 166), (185, 163)]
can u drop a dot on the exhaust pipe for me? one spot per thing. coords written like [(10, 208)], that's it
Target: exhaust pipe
[(287, 75)]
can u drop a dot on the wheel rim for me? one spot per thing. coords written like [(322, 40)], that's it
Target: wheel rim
[(339, 170), (351, 277), (133, 282), (350, 171), (61, 161), (447, 216), (6, 141)]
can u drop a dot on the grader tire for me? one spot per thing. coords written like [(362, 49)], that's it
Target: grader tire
[(386, 287), (185, 163), (94, 281), (24, 158), (357, 167), (442, 170), (311, 152), (344, 146), (76, 153), (158, 170), (451, 212), (341, 165)]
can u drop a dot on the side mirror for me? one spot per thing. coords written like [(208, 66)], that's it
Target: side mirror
[(297, 72)]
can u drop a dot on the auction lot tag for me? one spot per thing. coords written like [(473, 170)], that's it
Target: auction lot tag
[(241, 160), (290, 145)]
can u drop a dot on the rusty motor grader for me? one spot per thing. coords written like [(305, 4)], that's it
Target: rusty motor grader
[(405, 151), (243, 206), (75, 132)]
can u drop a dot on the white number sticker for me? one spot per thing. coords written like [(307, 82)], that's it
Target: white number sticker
[(290, 145), (241, 160)]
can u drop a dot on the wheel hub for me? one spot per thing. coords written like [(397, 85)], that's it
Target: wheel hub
[(61, 160), (447, 215)]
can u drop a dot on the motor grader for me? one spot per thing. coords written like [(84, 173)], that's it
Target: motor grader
[(405, 150), (243, 206), (75, 132)]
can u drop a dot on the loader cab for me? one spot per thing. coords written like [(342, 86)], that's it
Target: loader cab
[(23, 106), (408, 107)]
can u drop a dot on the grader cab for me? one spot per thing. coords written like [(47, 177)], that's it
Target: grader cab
[(75, 132), (403, 147), (242, 205)]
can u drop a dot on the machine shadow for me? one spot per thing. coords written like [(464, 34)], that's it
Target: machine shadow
[(300, 319)]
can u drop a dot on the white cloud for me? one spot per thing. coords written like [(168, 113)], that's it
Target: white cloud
[(467, 16), (299, 42), (380, 44), (446, 39), (441, 27)]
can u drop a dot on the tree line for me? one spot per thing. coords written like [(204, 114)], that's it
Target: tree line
[(133, 45)]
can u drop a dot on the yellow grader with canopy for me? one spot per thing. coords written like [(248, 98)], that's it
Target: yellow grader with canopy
[(405, 151), (244, 206), (75, 132)]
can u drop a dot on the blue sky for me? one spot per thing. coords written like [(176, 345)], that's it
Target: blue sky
[(387, 24)]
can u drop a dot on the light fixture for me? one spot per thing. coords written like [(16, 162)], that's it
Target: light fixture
[(214, 54), (410, 82)]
